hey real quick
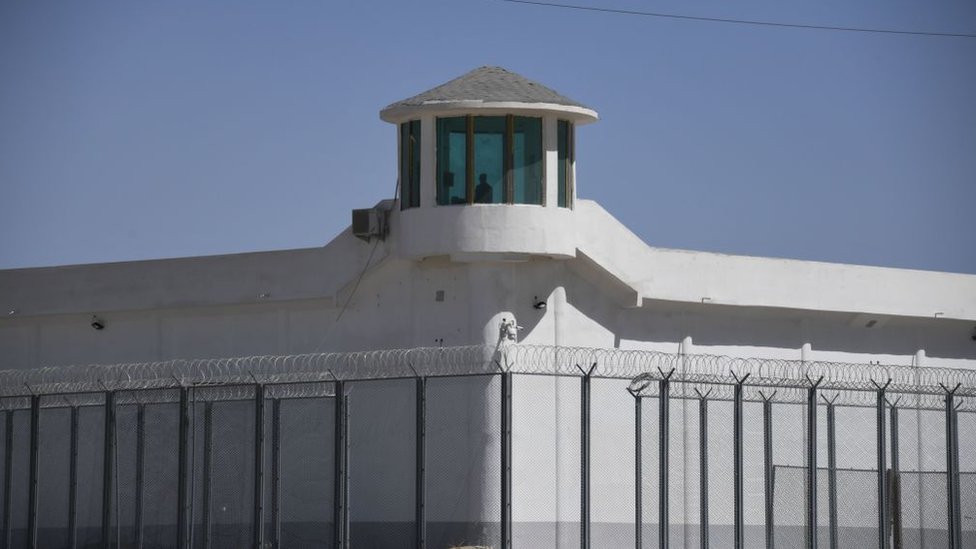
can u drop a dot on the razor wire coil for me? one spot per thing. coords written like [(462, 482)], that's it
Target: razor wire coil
[(293, 376)]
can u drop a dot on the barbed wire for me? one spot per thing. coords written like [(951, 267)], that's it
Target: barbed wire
[(312, 374)]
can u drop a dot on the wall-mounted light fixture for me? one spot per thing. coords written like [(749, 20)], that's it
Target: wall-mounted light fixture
[(538, 304), (97, 323)]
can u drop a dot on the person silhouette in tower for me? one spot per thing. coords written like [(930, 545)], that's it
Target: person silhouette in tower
[(483, 191)]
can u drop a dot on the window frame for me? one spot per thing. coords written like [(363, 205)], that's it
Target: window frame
[(508, 160), (411, 155), (570, 162)]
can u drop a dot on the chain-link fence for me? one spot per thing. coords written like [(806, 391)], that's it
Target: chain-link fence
[(472, 447)]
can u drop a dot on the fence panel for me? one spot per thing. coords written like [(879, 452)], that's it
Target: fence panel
[(307, 480), (160, 470), (721, 489), (126, 475), (789, 478), (685, 477), (650, 462), (967, 476), (823, 473), (5, 449), (53, 484), (464, 461), (17, 513), (91, 450), (612, 461), (857, 477), (546, 465), (382, 430), (232, 493), (754, 470), (924, 491)]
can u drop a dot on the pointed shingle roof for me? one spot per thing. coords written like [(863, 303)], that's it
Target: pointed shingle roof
[(488, 85)]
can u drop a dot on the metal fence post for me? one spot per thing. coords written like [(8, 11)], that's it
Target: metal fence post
[(35, 421), (258, 531), (182, 489), (207, 475), (768, 469), (703, 467), (638, 471), (832, 469), (882, 449), (811, 487), (957, 493), (585, 456), (737, 462), (421, 465), (108, 469), (952, 469), (8, 455), (276, 473), (664, 436), (506, 456), (73, 481), (341, 472), (895, 486)]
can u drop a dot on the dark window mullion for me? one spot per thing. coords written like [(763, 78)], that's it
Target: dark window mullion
[(404, 185), (469, 160), (415, 149), (409, 181), (544, 184), (409, 173), (508, 156), (571, 160)]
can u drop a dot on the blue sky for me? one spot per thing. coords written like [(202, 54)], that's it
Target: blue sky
[(136, 130)]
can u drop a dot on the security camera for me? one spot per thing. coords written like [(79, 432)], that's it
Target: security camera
[(97, 323)]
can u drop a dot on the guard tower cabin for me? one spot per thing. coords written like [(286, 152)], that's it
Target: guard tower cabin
[(486, 168)]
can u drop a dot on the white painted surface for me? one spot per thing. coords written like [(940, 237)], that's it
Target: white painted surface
[(689, 276), (486, 229)]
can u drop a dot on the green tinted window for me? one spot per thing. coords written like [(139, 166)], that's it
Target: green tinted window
[(489, 162), (410, 164), (527, 160), (452, 165), (565, 164)]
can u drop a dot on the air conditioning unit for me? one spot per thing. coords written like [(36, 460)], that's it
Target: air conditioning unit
[(370, 223)]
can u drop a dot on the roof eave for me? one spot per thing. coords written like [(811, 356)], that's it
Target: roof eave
[(396, 114)]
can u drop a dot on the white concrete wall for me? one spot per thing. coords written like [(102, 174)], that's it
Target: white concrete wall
[(690, 276), (617, 293)]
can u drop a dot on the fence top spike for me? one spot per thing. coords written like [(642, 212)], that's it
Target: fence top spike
[(948, 390), (737, 379), (830, 401), (879, 387)]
